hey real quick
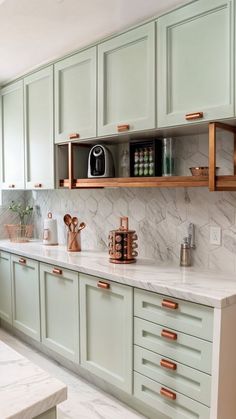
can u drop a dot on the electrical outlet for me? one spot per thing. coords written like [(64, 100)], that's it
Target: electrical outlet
[(215, 235)]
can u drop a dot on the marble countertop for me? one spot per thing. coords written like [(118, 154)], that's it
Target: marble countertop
[(26, 390), (201, 286)]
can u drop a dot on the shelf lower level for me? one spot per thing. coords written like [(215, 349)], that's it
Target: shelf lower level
[(226, 183), (139, 182)]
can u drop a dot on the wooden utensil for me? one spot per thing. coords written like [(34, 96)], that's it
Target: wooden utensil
[(68, 221), (81, 226), (75, 222)]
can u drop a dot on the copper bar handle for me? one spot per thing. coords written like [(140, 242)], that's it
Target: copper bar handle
[(122, 128), (73, 136), (168, 364), (103, 285), (12, 186), (169, 304), (57, 271), (38, 185), (22, 260), (194, 115), (169, 335), (167, 393)]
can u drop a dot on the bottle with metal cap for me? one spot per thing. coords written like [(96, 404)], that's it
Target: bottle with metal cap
[(185, 253), (50, 231)]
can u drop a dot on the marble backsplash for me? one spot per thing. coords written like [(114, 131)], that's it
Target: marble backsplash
[(160, 216)]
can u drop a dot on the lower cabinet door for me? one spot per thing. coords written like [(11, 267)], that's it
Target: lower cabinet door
[(5, 288), (106, 330), (25, 289), (60, 310), (165, 400)]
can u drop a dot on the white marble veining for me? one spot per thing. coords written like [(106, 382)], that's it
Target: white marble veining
[(201, 286), (84, 401), (26, 390)]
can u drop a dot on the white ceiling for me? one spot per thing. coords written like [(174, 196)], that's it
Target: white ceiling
[(34, 32)]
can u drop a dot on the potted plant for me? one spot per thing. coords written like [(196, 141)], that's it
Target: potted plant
[(22, 231)]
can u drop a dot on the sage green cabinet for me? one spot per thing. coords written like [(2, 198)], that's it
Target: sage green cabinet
[(38, 110), (5, 287), (12, 128), (106, 330), (75, 96), (126, 81), (60, 310), (25, 296), (196, 47)]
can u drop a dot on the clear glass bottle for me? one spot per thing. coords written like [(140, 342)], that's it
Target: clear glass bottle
[(168, 157), (124, 163)]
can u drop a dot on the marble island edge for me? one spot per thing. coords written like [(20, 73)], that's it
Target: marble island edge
[(200, 286)]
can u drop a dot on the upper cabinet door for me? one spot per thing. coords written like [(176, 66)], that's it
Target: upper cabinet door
[(126, 82), (12, 136), (38, 95), (75, 96), (195, 47)]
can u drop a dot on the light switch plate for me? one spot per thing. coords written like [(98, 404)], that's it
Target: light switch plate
[(215, 235)]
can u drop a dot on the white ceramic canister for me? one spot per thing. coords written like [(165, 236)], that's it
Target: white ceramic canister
[(50, 231)]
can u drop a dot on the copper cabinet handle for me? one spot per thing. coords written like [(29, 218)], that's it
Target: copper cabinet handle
[(12, 186), (103, 285), (22, 260), (38, 185), (168, 364), (194, 115), (57, 271), (122, 128), (73, 136), (169, 335), (169, 304), (167, 393)]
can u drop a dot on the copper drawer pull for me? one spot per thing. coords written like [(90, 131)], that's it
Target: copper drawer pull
[(57, 271), (168, 335), (22, 260), (194, 115), (168, 364), (74, 136), (103, 285), (167, 393), (38, 185), (169, 304), (11, 186), (122, 128)]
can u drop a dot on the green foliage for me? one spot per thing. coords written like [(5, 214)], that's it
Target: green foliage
[(22, 210)]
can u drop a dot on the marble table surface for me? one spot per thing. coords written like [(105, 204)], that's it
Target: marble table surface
[(201, 286), (26, 390)]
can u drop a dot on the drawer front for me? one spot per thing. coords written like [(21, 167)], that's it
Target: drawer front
[(181, 407), (193, 319), (179, 377), (186, 349)]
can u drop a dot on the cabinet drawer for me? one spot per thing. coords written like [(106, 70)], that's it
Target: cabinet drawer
[(180, 378), (186, 349), (181, 407), (191, 318)]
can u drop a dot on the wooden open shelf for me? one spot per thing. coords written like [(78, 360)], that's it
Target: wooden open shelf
[(223, 183), (139, 182), (213, 182)]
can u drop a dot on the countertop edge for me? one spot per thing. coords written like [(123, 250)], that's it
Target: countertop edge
[(194, 296)]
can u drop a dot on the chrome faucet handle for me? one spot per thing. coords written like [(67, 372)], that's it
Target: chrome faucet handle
[(191, 235)]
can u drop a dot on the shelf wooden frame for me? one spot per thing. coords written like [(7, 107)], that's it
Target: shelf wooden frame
[(215, 183), (220, 183)]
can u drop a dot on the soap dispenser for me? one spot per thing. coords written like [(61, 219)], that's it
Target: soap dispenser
[(185, 253)]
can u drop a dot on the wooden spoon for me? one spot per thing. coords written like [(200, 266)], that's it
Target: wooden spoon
[(68, 221), (75, 222), (81, 226)]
